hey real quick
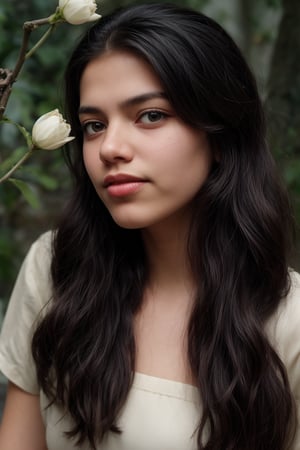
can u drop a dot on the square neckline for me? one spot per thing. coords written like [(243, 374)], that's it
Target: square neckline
[(165, 387)]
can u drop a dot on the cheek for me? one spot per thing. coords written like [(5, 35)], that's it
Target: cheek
[(195, 174), (201, 158), (90, 161), (190, 160)]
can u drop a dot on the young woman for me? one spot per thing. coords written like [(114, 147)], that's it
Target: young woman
[(161, 313)]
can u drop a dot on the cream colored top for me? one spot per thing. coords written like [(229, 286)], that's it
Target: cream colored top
[(159, 414)]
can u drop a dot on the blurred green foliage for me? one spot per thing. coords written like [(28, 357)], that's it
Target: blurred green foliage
[(25, 209)]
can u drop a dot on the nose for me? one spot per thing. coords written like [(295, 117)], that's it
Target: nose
[(115, 145)]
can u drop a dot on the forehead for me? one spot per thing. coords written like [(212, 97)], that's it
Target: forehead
[(117, 75)]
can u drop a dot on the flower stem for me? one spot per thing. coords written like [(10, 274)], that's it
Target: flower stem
[(40, 42), (28, 27), (17, 165)]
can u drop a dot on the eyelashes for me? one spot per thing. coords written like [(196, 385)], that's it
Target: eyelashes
[(152, 116), (149, 118), (92, 127)]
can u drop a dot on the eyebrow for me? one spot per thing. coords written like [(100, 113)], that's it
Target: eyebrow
[(126, 103)]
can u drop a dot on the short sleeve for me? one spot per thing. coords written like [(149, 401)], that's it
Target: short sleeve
[(285, 335), (31, 293)]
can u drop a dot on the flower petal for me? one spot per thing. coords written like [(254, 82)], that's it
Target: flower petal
[(77, 12), (51, 131)]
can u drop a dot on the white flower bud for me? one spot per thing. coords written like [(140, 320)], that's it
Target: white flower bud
[(77, 12), (51, 131)]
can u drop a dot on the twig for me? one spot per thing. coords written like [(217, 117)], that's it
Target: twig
[(28, 27), (40, 42), (17, 165)]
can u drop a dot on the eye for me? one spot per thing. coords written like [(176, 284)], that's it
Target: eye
[(152, 116), (92, 128)]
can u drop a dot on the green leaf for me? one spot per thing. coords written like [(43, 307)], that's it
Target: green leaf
[(12, 159), (36, 175), (47, 181), (23, 131), (27, 192)]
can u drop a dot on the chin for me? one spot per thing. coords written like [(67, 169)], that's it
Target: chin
[(129, 223), (131, 217)]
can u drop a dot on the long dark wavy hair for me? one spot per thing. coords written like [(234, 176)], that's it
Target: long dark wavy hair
[(238, 244)]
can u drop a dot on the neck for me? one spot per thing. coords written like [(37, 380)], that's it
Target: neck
[(166, 248)]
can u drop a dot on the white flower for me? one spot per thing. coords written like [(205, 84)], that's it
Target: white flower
[(77, 12), (51, 131)]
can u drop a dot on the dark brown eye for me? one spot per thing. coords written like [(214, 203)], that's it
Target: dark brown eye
[(91, 128), (152, 116)]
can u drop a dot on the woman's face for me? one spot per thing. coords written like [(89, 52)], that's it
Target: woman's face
[(144, 162)]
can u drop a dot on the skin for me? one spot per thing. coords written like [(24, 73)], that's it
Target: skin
[(130, 127), (22, 427)]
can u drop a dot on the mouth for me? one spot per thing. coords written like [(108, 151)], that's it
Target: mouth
[(121, 185), (121, 178)]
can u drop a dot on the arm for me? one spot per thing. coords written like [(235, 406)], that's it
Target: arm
[(22, 427)]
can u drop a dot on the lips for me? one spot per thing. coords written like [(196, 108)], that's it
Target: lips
[(120, 178), (122, 185)]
